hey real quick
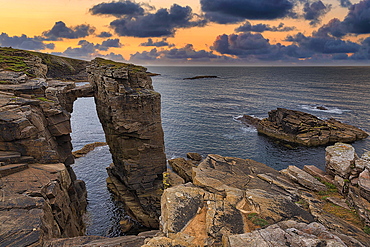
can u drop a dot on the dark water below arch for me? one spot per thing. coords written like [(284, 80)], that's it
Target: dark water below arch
[(199, 116)]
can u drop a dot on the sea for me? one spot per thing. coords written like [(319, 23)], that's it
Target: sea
[(202, 116)]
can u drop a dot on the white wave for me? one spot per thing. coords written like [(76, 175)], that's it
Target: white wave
[(249, 129), (323, 108), (237, 118)]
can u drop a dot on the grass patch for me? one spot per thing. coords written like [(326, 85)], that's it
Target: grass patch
[(44, 99), (343, 213), (367, 229), (253, 217)]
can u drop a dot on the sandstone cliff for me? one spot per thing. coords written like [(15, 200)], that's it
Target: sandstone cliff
[(40, 195), (130, 113)]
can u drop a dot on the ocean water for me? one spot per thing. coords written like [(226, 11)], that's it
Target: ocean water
[(200, 116)]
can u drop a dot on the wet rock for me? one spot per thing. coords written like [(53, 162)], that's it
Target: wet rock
[(305, 129), (340, 158), (129, 111)]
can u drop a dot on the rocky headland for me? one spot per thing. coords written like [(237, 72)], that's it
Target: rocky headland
[(303, 128), (215, 201), (40, 195)]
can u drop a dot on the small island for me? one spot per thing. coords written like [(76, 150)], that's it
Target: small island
[(304, 128), (201, 77)]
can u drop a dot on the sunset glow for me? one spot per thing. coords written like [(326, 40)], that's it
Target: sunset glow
[(198, 31)]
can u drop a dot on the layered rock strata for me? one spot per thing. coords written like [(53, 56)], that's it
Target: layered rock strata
[(304, 129), (129, 111), (237, 202), (40, 195)]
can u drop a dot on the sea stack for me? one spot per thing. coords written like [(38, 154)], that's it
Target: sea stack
[(130, 113)]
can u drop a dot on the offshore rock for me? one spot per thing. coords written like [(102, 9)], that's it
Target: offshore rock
[(129, 111), (304, 129)]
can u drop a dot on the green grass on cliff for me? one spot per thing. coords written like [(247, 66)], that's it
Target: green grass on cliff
[(130, 66), (9, 60), (58, 67)]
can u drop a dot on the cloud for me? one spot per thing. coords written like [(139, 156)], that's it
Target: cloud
[(334, 28), (110, 43), (162, 23), (88, 50), (345, 3), (157, 43), (314, 11), (241, 44), (104, 35), (24, 42), (248, 27), (118, 9), (184, 54), (230, 11), (324, 45), (113, 56), (60, 30), (358, 18)]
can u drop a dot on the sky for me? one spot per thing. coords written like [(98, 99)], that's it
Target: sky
[(193, 32)]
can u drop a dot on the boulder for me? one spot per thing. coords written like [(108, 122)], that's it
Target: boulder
[(340, 159), (183, 168), (194, 156), (304, 129)]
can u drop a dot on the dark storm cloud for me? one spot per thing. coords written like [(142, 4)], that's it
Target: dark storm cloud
[(162, 23), (157, 43), (356, 22), (179, 54), (108, 44), (24, 42), (60, 30), (324, 45), (229, 11), (104, 35), (118, 9), (345, 3), (334, 28), (113, 56), (222, 18), (241, 44), (314, 11), (358, 18), (248, 27)]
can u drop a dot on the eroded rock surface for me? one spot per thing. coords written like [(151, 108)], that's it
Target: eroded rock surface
[(40, 203), (237, 202), (129, 111), (304, 129)]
